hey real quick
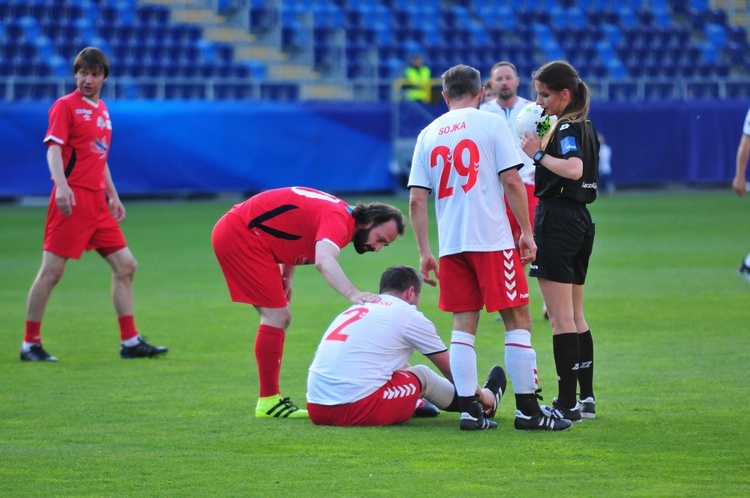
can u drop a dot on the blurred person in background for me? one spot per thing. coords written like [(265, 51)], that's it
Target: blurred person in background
[(739, 184), (504, 81), (418, 87), (605, 167), (84, 208)]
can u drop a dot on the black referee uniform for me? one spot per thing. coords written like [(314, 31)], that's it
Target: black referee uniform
[(563, 228)]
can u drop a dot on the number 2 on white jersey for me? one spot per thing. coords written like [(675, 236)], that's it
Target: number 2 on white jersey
[(357, 314), (455, 161)]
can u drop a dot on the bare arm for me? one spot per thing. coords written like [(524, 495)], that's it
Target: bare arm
[(515, 193), (739, 184), (326, 262), (571, 168), (419, 223), (115, 205), (64, 197)]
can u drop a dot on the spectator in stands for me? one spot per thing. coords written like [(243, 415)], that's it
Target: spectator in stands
[(418, 75), (739, 184), (361, 374), (84, 208), (260, 241), (605, 167), (566, 174)]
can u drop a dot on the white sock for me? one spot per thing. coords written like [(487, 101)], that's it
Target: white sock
[(133, 341), (747, 260), (26, 346), (463, 363), (520, 361), (436, 389)]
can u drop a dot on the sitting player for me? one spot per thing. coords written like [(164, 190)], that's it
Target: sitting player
[(360, 375)]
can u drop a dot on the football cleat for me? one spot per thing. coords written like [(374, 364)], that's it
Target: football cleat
[(587, 407), (425, 409), (278, 407), (474, 419), (496, 382), (540, 422), (560, 413), (141, 350), (744, 271), (37, 353)]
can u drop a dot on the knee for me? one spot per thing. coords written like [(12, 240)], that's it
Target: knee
[(127, 268)]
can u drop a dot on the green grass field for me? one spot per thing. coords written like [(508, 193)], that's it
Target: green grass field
[(669, 315)]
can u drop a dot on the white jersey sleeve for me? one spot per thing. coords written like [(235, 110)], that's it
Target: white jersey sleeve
[(746, 127), (364, 346), (459, 157)]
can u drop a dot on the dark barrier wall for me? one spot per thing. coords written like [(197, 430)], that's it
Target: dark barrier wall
[(180, 147)]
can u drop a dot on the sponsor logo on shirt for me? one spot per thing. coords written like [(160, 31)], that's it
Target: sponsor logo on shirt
[(100, 146), (568, 144), (589, 185)]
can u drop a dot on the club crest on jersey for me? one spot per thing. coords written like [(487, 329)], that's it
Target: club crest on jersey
[(103, 123), (301, 260), (100, 146)]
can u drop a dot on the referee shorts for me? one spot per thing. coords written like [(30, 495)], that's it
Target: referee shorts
[(564, 235)]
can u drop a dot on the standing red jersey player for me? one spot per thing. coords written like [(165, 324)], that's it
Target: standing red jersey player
[(84, 209)]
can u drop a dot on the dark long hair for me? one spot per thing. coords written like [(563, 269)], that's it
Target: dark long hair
[(91, 58), (559, 76), (378, 213)]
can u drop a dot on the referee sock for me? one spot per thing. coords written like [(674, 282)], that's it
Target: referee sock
[(269, 347), (567, 357), (586, 369)]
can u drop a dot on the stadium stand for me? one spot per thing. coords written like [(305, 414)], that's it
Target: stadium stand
[(356, 49)]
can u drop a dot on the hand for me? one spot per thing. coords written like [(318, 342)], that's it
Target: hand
[(531, 143), (527, 248), (487, 399), (739, 185), (427, 264), (287, 288), (65, 199), (117, 208), (364, 297)]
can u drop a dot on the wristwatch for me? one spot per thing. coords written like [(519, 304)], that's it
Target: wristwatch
[(538, 156)]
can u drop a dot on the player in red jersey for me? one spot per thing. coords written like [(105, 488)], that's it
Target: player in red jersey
[(84, 209), (260, 241)]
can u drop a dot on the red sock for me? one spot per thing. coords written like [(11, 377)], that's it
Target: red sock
[(127, 327), (33, 333), (269, 347)]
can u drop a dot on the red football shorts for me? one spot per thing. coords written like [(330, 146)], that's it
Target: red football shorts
[(470, 281), (252, 274), (515, 228), (90, 226), (393, 403)]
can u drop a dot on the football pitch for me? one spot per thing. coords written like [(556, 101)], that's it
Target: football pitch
[(669, 316)]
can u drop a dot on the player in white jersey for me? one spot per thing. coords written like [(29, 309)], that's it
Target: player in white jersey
[(469, 159), (739, 184), (361, 373)]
